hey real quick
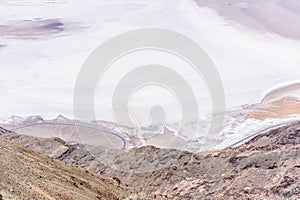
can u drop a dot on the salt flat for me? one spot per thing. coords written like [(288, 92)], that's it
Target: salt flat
[(44, 44)]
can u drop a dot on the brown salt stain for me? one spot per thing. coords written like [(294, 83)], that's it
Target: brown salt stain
[(277, 109), (279, 103)]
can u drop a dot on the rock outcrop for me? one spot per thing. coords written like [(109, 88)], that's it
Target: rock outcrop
[(266, 167), (25, 174)]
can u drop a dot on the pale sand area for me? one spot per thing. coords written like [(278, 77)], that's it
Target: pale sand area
[(279, 103), (166, 139), (70, 133), (278, 109)]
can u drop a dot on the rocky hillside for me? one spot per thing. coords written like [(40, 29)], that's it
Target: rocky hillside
[(25, 174), (267, 167)]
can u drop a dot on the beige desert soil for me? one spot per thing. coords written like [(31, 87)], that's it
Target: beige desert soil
[(266, 167), (278, 109), (70, 133), (25, 174), (279, 103)]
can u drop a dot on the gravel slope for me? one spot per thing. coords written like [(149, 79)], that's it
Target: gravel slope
[(25, 174)]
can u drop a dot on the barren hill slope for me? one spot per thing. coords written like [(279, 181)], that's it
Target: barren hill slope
[(25, 174), (266, 167)]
